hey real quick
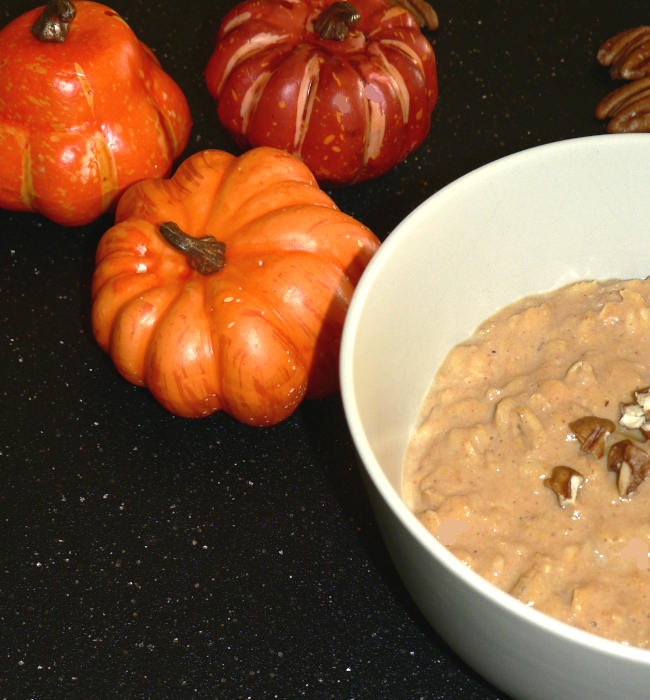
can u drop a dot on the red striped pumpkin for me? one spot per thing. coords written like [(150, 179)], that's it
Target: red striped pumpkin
[(347, 88)]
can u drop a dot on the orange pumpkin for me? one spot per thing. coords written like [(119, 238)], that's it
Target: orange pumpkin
[(226, 286), (85, 110)]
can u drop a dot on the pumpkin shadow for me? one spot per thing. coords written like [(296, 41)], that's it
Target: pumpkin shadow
[(91, 234), (326, 429)]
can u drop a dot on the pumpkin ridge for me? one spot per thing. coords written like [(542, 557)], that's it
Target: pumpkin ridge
[(268, 189), (106, 169), (306, 100), (126, 352), (103, 313), (281, 314), (27, 184), (259, 44), (256, 403), (127, 246), (274, 306), (165, 130), (204, 225), (157, 376), (271, 200), (268, 308), (395, 79), (116, 278), (244, 179), (176, 132), (314, 324), (403, 48), (311, 233), (251, 98)]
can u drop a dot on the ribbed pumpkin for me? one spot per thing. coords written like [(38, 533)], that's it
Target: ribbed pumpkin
[(347, 87), (85, 110), (226, 286)]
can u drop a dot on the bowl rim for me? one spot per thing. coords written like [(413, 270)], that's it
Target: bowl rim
[(374, 471)]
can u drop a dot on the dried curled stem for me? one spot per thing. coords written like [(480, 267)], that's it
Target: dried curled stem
[(53, 24), (205, 255), (336, 21)]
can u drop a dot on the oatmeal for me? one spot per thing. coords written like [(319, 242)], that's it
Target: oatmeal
[(525, 463)]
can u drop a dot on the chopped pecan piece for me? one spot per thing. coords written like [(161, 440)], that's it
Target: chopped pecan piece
[(635, 415), (632, 416), (627, 108), (592, 433), (642, 397), (565, 482), (631, 464), (627, 54)]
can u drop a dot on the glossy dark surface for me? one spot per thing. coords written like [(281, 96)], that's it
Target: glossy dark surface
[(145, 555)]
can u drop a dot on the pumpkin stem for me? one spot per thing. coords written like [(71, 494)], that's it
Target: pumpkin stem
[(53, 24), (423, 13), (336, 21), (205, 255)]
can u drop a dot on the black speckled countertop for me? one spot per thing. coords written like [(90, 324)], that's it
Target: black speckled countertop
[(145, 555)]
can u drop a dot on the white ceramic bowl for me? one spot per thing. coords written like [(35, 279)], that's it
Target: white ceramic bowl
[(526, 223)]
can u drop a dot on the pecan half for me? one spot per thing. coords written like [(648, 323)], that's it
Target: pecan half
[(565, 482), (627, 54), (592, 433), (627, 108), (631, 464)]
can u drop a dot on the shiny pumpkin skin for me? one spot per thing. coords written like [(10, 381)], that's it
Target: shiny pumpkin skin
[(83, 119), (256, 337), (350, 109)]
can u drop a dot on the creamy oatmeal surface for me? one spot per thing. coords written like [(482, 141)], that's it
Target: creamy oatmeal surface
[(496, 423)]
